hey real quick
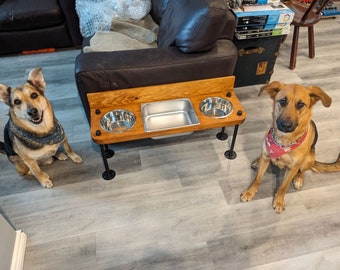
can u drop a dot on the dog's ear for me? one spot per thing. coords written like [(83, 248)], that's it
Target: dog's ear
[(4, 93), (37, 79), (316, 94), (272, 88)]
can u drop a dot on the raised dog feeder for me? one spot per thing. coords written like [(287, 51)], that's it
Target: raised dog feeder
[(117, 121), (216, 107)]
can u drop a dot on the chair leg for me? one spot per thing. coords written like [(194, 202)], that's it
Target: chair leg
[(311, 44), (294, 48)]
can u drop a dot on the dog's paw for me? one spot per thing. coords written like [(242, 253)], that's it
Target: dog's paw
[(48, 161), (61, 156), (75, 158), (278, 205), (255, 164), (298, 182), (247, 195), (44, 180), (47, 183)]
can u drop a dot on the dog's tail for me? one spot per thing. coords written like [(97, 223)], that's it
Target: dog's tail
[(2, 148), (320, 167)]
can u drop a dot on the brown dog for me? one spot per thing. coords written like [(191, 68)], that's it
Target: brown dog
[(33, 134), (290, 141)]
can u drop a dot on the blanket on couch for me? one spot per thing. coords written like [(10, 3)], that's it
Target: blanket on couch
[(125, 35)]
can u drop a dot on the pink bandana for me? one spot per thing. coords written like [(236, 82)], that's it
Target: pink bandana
[(275, 149)]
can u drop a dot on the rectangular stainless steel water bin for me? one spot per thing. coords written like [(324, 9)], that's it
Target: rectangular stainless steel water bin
[(168, 114)]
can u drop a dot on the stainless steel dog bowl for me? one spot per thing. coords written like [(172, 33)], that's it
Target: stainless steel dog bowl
[(117, 121), (216, 107)]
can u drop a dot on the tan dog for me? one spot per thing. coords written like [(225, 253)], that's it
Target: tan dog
[(33, 134), (290, 141)]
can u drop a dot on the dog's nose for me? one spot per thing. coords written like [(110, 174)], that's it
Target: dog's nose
[(285, 125), (33, 112)]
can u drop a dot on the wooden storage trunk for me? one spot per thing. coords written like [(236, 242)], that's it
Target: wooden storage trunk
[(256, 60)]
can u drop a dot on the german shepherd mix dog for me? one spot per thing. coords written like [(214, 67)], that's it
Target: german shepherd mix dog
[(290, 141), (33, 134)]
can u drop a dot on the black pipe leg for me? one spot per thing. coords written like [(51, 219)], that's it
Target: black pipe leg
[(231, 154), (107, 153), (222, 135)]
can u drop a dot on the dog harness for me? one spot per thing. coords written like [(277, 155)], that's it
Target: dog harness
[(57, 135), (275, 149)]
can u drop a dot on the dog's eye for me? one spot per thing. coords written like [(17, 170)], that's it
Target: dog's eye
[(17, 101), (34, 95), (300, 105), (283, 102)]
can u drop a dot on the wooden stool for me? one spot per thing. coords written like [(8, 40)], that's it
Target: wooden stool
[(306, 15)]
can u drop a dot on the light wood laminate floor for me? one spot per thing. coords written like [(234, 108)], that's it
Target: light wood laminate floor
[(175, 203)]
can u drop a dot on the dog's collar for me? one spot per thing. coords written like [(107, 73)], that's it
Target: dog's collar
[(275, 149), (54, 137)]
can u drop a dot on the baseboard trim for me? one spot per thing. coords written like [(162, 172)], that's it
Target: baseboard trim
[(19, 251)]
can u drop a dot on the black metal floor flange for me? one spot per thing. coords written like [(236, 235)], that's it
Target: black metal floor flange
[(108, 174), (222, 135), (231, 154), (109, 153)]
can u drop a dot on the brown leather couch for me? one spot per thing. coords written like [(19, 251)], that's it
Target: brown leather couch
[(194, 42), (38, 24)]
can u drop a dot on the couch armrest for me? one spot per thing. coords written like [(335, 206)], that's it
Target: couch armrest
[(229, 28), (69, 10), (103, 71)]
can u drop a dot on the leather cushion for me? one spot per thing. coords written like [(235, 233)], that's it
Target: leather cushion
[(158, 8), (192, 26), (27, 15)]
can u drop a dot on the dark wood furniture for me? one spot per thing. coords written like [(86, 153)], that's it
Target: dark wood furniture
[(36, 25), (306, 15)]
